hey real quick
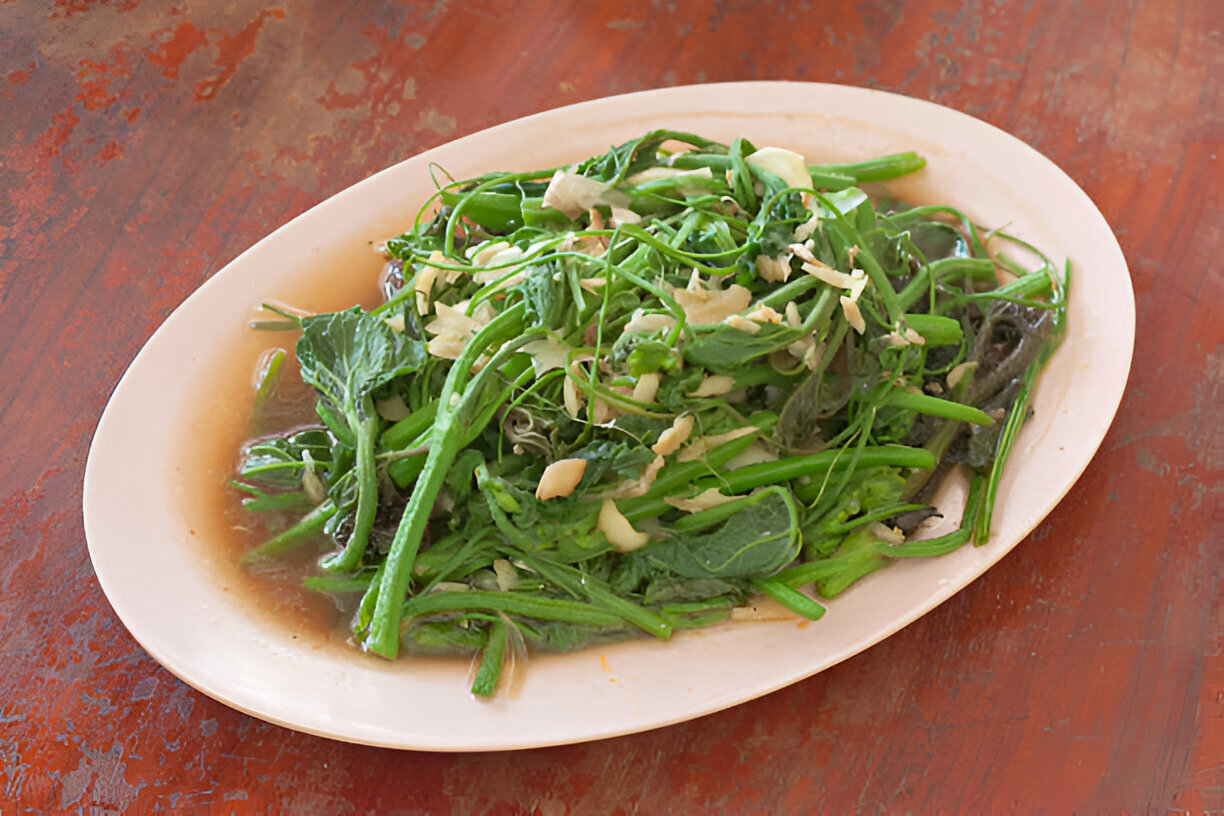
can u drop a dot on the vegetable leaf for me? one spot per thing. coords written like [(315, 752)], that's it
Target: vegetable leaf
[(758, 540), (347, 355), (723, 348)]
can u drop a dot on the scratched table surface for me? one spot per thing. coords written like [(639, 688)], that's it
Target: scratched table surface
[(143, 145)]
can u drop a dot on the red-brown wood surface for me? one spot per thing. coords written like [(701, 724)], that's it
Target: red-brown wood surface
[(145, 144)]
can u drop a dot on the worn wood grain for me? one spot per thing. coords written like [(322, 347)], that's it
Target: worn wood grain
[(145, 144)]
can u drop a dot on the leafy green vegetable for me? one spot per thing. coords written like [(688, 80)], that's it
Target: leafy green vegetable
[(623, 396), (761, 537), (346, 356)]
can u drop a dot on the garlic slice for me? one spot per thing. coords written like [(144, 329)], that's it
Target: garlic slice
[(787, 165), (617, 529), (675, 436), (854, 316), (560, 478)]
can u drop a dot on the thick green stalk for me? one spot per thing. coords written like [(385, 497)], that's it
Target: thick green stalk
[(491, 659), (936, 330), (403, 433), (292, 538), (581, 585), (788, 596), (468, 198), (874, 515), (880, 169), (941, 270), (448, 430), (1019, 410), (803, 574), (944, 544), (747, 478), (511, 603), (794, 467), (934, 406), (367, 494)]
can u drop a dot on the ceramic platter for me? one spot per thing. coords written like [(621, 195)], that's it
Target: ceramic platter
[(181, 604)]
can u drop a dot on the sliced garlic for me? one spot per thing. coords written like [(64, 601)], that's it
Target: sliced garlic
[(573, 399), (774, 270), (647, 322), (742, 323), (617, 529), (804, 253), (450, 586), (714, 384), (593, 245), (787, 165), (507, 575), (453, 327), (495, 254), (647, 386), (547, 354), (706, 307), (805, 230), (828, 274), (603, 413), (624, 215), (958, 373), (572, 194), (505, 278), (792, 315), (710, 497), (423, 284), (858, 282), (764, 314), (853, 315), (703, 444), (560, 478), (675, 436), (756, 453)]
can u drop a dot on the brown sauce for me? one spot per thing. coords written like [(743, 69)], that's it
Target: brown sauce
[(213, 440)]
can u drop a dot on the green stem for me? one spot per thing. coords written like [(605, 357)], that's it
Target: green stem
[(788, 596), (580, 585), (934, 406), (765, 473), (879, 169), (803, 574), (941, 270), (511, 603), (747, 478), (367, 494), (1007, 438), (403, 433), (292, 538), (383, 637), (491, 659), (944, 544)]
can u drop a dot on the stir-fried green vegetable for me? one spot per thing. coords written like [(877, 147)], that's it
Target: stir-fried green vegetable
[(623, 396)]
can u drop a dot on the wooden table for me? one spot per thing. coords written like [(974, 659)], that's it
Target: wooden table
[(144, 144)]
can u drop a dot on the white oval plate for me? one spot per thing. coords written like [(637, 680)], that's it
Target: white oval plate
[(183, 611)]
